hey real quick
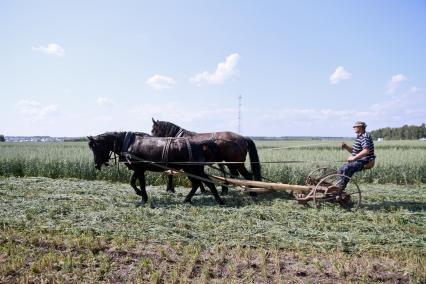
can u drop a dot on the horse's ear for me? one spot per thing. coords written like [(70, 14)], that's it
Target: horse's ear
[(153, 120), (90, 138)]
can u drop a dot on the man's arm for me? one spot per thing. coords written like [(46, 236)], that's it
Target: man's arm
[(360, 155), (346, 147)]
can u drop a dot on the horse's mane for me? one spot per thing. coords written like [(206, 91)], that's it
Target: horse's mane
[(172, 129), (107, 135), (113, 138)]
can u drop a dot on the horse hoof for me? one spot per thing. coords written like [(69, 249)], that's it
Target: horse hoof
[(225, 190)]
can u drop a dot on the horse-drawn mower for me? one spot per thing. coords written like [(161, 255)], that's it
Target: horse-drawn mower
[(320, 187), (143, 153)]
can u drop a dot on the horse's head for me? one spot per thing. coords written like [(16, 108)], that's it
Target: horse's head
[(101, 151), (165, 129), (158, 128)]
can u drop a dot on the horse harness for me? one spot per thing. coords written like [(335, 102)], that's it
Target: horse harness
[(180, 133), (165, 153), (129, 136)]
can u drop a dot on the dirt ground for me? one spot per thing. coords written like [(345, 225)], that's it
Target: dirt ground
[(155, 263)]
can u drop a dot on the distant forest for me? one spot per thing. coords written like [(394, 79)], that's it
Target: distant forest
[(401, 133)]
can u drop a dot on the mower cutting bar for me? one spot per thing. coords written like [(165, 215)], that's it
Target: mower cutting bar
[(267, 185)]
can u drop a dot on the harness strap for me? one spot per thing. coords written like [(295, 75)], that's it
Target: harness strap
[(179, 133), (128, 156), (165, 154), (126, 141), (188, 146)]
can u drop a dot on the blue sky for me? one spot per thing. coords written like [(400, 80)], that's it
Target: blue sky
[(75, 68)]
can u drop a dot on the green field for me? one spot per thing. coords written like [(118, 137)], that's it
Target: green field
[(399, 162), (81, 227)]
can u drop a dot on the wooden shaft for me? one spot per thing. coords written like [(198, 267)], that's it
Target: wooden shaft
[(266, 185)]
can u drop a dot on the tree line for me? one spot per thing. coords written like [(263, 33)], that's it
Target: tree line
[(405, 132)]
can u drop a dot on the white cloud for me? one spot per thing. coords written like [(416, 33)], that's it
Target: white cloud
[(159, 82), (51, 49), (408, 108), (35, 110), (394, 83), (339, 74), (177, 112), (414, 90), (224, 71), (103, 101)]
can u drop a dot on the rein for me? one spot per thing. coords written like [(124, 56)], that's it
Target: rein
[(159, 165), (232, 163)]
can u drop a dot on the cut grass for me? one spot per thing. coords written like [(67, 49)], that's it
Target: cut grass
[(48, 257), (76, 230)]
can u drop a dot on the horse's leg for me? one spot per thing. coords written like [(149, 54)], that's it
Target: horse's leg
[(244, 172), (142, 183), (133, 178), (202, 174), (233, 170), (247, 175), (170, 186), (195, 184), (202, 189), (224, 188)]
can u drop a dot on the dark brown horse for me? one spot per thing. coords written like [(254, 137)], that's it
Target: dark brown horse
[(232, 147), (142, 154)]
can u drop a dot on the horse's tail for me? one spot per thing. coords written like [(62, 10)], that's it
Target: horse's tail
[(254, 159)]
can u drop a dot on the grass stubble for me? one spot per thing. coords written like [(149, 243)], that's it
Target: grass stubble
[(72, 230)]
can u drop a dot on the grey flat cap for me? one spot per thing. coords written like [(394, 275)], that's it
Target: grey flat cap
[(360, 123)]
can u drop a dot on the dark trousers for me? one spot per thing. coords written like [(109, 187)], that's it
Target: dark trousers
[(348, 170)]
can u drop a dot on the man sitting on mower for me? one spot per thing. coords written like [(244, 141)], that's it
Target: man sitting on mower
[(362, 155)]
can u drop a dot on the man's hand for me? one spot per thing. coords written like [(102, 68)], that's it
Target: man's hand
[(351, 158)]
